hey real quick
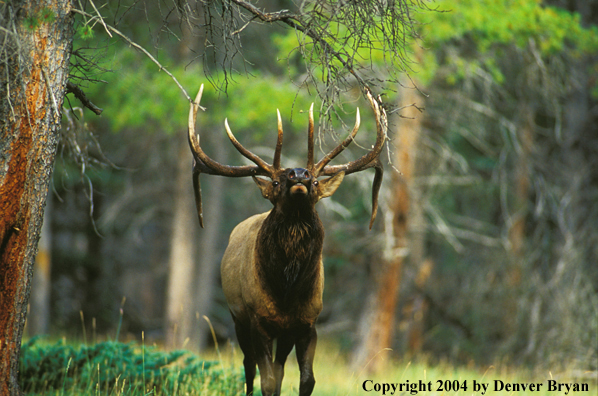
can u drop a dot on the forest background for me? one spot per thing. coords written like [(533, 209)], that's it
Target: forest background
[(486, 244)]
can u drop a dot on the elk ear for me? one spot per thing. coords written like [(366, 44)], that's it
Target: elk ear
[(327, 187), (264, 185)]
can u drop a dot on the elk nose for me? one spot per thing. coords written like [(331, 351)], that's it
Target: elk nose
[(299, 175)]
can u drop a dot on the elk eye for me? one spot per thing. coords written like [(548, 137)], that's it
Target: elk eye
[(315, 182), (275, 183)]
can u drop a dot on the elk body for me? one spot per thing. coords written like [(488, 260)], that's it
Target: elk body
[(272, 270)]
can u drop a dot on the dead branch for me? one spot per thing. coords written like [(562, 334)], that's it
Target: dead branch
[(79, 94)]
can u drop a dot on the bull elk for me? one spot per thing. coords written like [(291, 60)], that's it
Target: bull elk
[(272, 271)]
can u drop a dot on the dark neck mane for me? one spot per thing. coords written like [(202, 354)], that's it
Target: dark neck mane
[(289, 249)]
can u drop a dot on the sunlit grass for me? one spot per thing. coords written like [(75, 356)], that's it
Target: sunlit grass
[(335, 376), (130, 370)]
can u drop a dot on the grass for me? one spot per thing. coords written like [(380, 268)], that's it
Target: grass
[(128, 369), (334, 376)]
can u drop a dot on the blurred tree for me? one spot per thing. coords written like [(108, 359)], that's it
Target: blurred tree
[(180, 307), (180, 310), (510, 108), (380, 316)]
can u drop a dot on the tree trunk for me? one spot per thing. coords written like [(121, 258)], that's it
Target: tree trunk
[(209, 254), (517, 225), (180, 303), (522, 183), (381, 312), (192, 276), (34, 69)]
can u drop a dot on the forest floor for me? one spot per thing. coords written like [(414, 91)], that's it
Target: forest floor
[(129, 369)]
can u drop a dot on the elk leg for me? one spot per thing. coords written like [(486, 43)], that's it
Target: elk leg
[(284, 345), (306, 349), (244, 338), (262, 349)]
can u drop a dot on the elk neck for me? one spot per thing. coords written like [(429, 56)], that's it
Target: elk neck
[(289, 251)]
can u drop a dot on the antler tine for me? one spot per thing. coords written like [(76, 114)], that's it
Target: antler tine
[(278, 149), (205, 164), (338, 149), (246, 153), (376, 188), (193, 138), (310, 141)]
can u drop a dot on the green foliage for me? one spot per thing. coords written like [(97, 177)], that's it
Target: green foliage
[(45, 15), (370, 47), (487, 25), (492, 22), (31, 23), (138, 96), (85, 32), (290, 42), (122, 368), (251, 105)]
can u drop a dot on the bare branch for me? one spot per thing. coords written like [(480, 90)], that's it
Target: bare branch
[(340, 40), (100, 18), (140, 48)]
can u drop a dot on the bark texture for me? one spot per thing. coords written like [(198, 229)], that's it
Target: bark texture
[(34, 69)]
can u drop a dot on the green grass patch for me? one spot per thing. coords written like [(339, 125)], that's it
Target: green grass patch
[(127, 369)]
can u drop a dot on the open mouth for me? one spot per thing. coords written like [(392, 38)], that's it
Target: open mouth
[(298, 189)]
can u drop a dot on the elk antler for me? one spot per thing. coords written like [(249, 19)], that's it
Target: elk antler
[(204, 164), (369, 160)]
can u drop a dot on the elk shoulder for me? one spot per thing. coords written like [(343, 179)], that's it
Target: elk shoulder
[(243, 288)]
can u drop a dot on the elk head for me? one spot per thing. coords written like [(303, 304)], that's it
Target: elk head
[(305, 180)]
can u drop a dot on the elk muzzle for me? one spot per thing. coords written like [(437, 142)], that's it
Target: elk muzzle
[(299, 179)]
